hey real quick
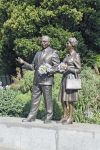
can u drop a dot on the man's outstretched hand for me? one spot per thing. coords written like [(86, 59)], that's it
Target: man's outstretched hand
[(20, 60)]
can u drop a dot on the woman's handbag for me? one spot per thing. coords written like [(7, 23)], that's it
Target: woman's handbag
[(73, 84)]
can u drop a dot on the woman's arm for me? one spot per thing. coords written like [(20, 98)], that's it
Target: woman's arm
[(77, 64)]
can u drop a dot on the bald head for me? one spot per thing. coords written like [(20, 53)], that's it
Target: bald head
[(45, 40), (45, 37)]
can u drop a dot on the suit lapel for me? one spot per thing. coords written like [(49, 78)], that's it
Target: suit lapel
[(45, 55), (39, 61)]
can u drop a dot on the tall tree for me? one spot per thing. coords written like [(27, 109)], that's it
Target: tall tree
[(23, 22)]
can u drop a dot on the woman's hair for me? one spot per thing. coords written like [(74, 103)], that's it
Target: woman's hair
[(73, 41)]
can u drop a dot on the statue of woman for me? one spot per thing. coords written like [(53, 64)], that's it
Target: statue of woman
[(72, 66)]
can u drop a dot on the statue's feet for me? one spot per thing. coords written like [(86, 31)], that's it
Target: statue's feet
[(68, 121), (46, 121), (48, 118), (64, 119), (29, 119)]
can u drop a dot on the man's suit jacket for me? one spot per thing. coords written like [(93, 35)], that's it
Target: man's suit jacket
[(49, 56)]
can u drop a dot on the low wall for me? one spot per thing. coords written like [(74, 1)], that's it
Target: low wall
[(15, 135)]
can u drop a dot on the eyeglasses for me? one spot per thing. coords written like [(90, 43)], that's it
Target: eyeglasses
[(44, 41), (68, 42)]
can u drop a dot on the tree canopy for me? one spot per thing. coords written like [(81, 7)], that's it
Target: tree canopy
[(22, 23)]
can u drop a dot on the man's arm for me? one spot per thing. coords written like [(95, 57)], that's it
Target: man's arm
[(25, 64), (55, 61), (28, 66)]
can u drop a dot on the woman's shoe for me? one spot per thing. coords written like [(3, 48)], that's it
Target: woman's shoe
[(68, 121), (64, 119)]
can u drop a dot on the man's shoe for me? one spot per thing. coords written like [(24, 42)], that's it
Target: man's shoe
[(29, 119), (47, 121), (48, 118)]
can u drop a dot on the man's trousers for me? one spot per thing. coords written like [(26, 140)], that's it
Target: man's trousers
[(38, 90)]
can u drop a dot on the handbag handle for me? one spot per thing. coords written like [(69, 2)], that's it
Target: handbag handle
[(76, 75)]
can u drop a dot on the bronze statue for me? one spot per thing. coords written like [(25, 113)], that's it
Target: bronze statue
[(71, 68), (42, 83)]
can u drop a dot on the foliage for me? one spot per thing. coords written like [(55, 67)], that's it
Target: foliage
[(23, 22), (26, 48), (88, 106), (24, 102), (13, 103), (57, 108), (92, 59), (26, 82), (90, 25), (18, 103), (97, 60)]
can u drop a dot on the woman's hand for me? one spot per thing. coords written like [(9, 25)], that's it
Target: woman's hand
[(62, 67), (20, 60)]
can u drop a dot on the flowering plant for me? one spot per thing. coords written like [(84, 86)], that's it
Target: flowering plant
[(62, 66), (45, 68)]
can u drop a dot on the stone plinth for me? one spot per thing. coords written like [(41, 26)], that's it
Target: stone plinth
[(15, 135)]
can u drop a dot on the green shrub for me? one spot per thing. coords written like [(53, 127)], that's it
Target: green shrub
[(57, 108), (18, 103), (88, 107), (24, 101), (14, 103), (26, 82)]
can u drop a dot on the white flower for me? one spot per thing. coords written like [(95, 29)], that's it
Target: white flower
[(61, 67), (45, 68), (1, 87), (7, 87), (88, 113)]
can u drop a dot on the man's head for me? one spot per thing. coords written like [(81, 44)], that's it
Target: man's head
[(45, 40)]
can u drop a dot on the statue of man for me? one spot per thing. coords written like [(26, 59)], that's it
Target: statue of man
[(42, 84)]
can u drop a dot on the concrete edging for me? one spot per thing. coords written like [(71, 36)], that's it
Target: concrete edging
[(15, 135)]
